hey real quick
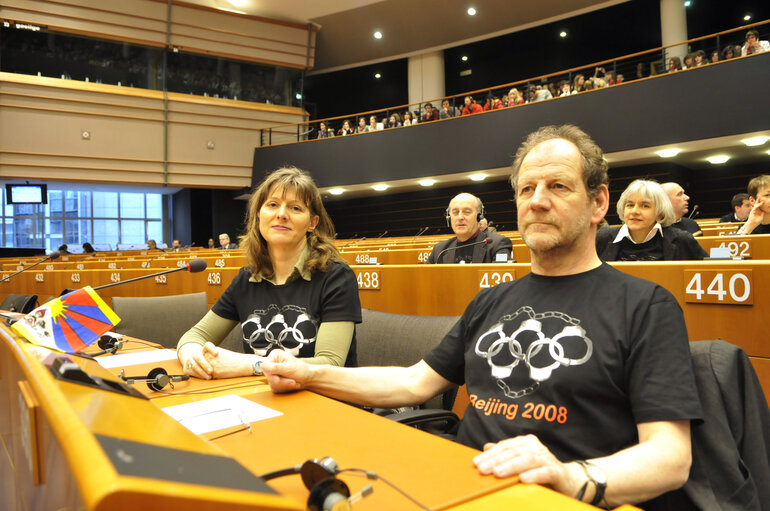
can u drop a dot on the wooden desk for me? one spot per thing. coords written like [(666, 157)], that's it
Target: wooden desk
[(71, 420)]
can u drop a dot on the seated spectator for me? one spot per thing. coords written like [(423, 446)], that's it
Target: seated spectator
[(504, 99), (151, 245), (471, 107), (394, 121), (515, 98), (753, 44), (447, 110), (372, 123), (609, 78), (541, 93), (211, 243), (680, 201), (63, 249), (430, 113), (741, 203), (176, 245), (88, 248), (493, 103), (579, 83), (689, 61), (589, 84), (700, 58), (362, 127), (224, 242), (714, 57), (345, 129), (551, 86), (323, 131), (619, 79), (641, 70), (646, 234), (728, 52), (564, 88), (759, 218), (674, 64), (408, 119)]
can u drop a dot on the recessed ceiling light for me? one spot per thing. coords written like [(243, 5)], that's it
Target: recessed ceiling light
[(427, 182), (336, 191), (751, 142), (562, 34), (718, 159), (668, 153), (464, 58), (471, 11), (377, 75), (747, 17), (477, 177), (378, 35), (687, 3), (380, 188), (768, 152)]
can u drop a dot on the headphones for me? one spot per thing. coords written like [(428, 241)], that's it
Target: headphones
[(108, 344), (479, 215), (327, 493), (156, 379)]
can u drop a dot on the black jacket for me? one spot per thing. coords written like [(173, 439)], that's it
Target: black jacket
[(678, 245), (481, 253)]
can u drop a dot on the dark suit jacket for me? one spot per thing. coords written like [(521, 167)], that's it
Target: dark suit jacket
[(678, 245), (481, 253), (731, 446)]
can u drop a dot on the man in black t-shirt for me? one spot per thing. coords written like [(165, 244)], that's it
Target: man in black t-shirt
[(681, 201), (579, 376)]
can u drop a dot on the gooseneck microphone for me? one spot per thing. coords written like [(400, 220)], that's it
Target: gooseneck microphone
[(420, 233), (51, 257), (694, 211), (194, 266), (362, 238), (383, 234), (482, 242)]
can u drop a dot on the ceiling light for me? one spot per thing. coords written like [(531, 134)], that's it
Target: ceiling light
[(238, 3), (336, 191), (768, 152), (668, 153), (747, 17), (477, 177), (380, 188), (718, 159), (377, 75), (471, 11), (464, 58), (562, 34), (378, 35), (427, 182), (753, 141), (687, 3)]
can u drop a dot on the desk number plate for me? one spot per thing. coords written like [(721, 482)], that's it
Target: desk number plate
[(725, 287), (368, 280)]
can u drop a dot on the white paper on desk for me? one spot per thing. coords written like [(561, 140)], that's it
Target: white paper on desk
[(219, 413), (136, 357)]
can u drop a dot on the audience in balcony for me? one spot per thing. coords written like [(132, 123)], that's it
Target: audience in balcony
[(753, 44), (674, 64), (373, 124), (515, 98), (700, 58), (579, 83), (564, 88), (493, 103), (362, 127), (408, 121), (430, 113), (394, 121), (471, 107)]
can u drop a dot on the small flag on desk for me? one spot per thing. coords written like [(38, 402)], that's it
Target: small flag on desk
[(69, 323)]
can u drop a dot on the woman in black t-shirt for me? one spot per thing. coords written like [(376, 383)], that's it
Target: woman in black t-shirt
[(295, 293), (645, 235)]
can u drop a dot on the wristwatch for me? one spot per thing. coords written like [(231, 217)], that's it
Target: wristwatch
[(257, 369), (596, 476)]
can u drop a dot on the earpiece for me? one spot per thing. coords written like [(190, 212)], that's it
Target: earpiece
[(327, 493), (156, 379), (108, 344), (479, 215)]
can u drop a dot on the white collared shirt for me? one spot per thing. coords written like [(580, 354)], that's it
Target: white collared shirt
[(623, 233)]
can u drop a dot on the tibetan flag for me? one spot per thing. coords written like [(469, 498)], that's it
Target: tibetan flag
[(69, 323)]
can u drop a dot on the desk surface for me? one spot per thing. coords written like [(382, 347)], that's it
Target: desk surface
[(435, 471)]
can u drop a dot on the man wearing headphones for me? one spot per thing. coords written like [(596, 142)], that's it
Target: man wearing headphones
[(470, 244)]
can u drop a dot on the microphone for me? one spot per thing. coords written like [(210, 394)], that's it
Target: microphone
[(383, 234), (420, 233), (194, 266), (51, 256), (438, 257), (362, 238), (694, 211)]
